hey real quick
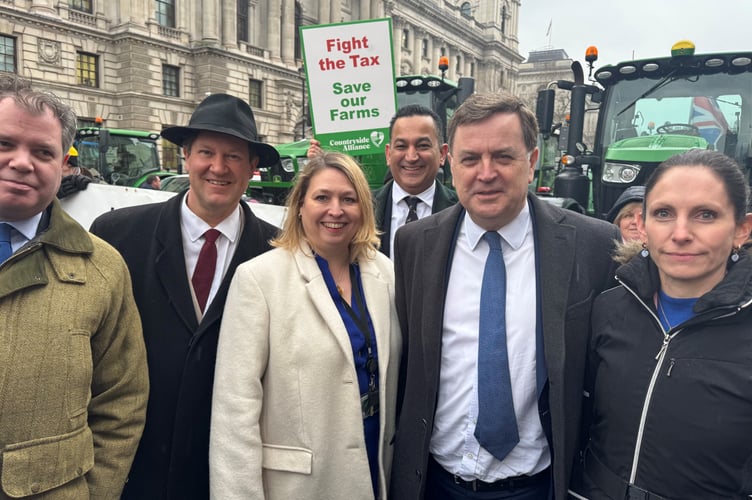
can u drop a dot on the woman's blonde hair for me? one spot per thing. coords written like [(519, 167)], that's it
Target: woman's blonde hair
[(626, 208), (366, 240)]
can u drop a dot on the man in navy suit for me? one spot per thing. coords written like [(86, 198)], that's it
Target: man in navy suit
[(414, 154), (556, 262), (162, 244)]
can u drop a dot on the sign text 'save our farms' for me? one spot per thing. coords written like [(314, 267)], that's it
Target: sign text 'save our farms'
[(350, 76)]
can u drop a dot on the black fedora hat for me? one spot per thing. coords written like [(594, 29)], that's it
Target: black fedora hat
[(224, 114)]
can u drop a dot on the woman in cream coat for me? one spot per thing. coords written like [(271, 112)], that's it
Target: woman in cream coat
[(304, 402)]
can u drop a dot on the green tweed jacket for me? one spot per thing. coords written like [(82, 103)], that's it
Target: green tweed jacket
[(73, 376)]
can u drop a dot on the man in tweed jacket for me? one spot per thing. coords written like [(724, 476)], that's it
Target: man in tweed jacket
[(73, 377)]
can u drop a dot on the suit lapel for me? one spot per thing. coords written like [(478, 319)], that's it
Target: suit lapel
[(376, 292), (556, 251), (441, 199), (170, 262), (322, 301), (437, 246), (250, 245)]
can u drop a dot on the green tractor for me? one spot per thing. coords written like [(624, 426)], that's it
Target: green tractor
[(648, 110), (118, 156)]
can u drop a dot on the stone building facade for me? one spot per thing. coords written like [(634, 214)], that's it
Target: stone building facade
[(145, 64), (540, 69)]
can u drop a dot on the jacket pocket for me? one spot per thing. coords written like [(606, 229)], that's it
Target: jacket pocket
[(287, 458), (40, 465), (580, 310), (79, 373)]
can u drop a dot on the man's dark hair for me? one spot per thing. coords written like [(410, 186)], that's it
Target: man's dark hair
[(418, 110), (37, 102), (481, 107)]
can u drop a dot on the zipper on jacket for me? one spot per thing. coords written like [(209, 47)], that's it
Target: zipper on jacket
[(648, 396), (670, 367)]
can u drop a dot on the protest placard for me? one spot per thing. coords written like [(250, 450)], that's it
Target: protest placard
[(350, 75)]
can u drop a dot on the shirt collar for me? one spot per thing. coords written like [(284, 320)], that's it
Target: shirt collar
[(398, 194), (195, 226), (513, 233), (27, 227)]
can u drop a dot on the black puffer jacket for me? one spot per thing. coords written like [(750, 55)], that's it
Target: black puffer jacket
[(671, 411)]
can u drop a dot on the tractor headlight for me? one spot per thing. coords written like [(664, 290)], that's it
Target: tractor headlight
[(621, 173)]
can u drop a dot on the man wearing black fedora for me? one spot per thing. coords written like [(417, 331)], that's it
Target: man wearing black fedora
[(182, 254)]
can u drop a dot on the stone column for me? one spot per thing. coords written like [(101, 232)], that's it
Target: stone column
[(43, 7), (397, 45), (254, 21), (273, 29), (365, 9), (145, 10), (335, 11), (324, 13), (377, 9), (432, 61), (210, 21), (288, 31), (229, 23), (417, 47), (436, 57)]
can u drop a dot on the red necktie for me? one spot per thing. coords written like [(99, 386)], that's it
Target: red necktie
[(203, 275)]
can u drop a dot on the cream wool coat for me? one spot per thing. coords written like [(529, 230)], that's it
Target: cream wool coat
[(286, 417)]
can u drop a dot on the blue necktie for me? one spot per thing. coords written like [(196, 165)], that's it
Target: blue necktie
[(5, 248), (496, 429)]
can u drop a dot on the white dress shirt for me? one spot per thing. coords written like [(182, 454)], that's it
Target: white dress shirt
[(192, 230), (453, 443), (400, 209), (25, 230)]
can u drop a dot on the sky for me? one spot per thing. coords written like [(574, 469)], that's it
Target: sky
[(634, 29)]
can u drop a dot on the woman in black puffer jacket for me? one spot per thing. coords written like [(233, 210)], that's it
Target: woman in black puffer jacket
[(669, 387)]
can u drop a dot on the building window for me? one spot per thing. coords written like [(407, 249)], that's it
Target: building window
[(170, 80), (466, 10), (166, 13), (82, 5), (424, 48), (86, 122), (504, 19), (7, 54), (243, 21), (405, 39), (86, 69), (472, 70), (254, 93), (458, 64)]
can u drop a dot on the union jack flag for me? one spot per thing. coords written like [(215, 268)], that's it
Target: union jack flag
[(707, 117)]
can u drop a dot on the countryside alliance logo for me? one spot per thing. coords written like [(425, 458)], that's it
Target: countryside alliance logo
[(377, 138)]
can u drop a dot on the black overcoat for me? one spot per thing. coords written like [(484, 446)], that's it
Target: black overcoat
[(172, 461)]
